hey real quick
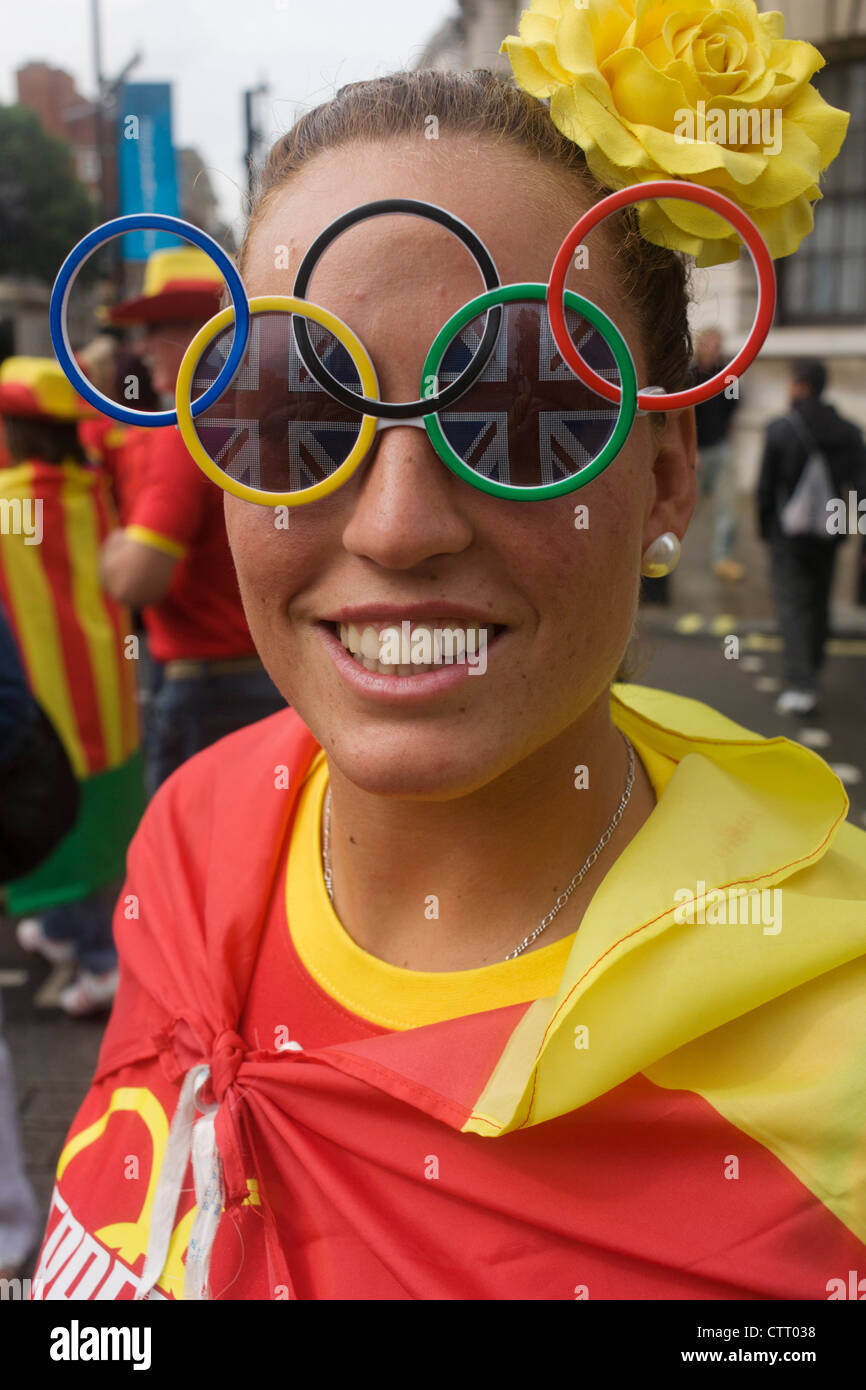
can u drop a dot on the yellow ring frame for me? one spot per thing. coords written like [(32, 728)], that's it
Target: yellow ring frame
[(186, 424)]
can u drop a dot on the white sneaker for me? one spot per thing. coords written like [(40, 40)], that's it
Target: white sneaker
[(796, 702), (31, 937), (89, 993)]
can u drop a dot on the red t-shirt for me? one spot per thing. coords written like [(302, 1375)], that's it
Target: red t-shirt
[(178, 510), (119, 450)]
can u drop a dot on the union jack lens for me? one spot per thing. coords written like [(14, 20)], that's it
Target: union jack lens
[(275, 429), (527, 421)]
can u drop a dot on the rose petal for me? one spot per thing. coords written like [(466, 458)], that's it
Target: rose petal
[(788, 174), (528, 71), (688, 158), (824, 124), (773, 24), (575, 46), (583, 118), (796, 59), (658, 228), (550, 9), (640, 92), (743, 14), (609, 28), (537, 28), (783, 229)]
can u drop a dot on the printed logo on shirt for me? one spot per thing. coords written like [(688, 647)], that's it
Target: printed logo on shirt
[(73, 1264), (77, 1264)]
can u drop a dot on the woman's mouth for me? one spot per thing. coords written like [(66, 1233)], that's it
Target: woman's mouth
[(405, 648), (405, 659)]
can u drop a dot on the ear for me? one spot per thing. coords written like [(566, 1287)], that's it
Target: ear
[(674, 475)]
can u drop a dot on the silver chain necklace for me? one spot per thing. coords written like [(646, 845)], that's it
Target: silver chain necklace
[(564, 895)]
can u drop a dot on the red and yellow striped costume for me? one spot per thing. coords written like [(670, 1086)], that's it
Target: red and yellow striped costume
[(77, 651)]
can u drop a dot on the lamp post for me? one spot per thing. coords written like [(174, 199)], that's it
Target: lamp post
[(253, 134)]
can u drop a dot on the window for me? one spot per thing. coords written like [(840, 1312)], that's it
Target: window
[(825, 280)]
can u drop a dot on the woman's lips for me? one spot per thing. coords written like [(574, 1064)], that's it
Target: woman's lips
[(458, 650)]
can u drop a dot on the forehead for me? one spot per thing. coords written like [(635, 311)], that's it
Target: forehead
[(519, 207), (396, 278)]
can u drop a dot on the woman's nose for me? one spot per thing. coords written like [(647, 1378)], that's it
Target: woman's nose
[(408, 505)]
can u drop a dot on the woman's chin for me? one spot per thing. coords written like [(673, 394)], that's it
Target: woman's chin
[(411, 766)]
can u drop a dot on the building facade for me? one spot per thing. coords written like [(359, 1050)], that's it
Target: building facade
[(64, 112)]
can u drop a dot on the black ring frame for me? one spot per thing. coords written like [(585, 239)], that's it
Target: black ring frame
[(398, 410)]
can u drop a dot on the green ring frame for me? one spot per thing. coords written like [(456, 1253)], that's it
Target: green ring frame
[(505, 294)]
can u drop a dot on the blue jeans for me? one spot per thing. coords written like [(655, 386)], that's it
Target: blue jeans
[(718, 479), (87, 924), (19, 1216), (188, 715)]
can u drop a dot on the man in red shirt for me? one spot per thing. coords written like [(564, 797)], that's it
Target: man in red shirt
[(172, 558)]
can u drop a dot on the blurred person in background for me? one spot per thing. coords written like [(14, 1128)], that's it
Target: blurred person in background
[(73, 641), (119, 373), (802, 564), (717, 468), (172, 558), (39, 801)]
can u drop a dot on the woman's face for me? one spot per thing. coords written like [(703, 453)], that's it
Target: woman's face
[(405, 538)]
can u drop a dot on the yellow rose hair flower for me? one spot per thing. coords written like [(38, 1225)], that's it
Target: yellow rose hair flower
[(709, 91)]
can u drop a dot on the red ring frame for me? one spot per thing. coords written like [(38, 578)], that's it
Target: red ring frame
[(761, 259)]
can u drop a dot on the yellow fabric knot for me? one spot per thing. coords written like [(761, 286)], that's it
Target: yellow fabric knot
[(709, 91)]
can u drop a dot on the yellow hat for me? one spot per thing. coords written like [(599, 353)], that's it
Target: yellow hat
[(180, 283), (38, 389)]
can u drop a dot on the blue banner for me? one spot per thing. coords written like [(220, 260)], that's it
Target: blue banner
[(146, 164)]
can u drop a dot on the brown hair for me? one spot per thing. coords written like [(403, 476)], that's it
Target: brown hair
[(483, 103), (46, 441)]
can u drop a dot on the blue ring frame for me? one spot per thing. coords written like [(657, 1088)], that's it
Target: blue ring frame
[(131, 222)]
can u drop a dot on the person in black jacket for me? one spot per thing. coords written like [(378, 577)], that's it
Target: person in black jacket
[(802, 566)]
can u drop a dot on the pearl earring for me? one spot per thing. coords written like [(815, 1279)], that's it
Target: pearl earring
[(662, 556)]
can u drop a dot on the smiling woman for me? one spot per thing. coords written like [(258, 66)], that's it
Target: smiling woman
[(412, 946)]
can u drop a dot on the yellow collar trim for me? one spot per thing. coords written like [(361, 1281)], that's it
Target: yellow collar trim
[(386, 994)]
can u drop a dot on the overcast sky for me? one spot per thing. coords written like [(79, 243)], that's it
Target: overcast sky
[(211, 50)]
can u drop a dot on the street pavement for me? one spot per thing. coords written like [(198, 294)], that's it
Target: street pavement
[(680, 647)]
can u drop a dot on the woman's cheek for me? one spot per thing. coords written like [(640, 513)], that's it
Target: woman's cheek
[(264, 556)]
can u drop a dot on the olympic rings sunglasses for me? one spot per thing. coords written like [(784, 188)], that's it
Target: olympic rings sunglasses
[(526, 428), (535, 404)]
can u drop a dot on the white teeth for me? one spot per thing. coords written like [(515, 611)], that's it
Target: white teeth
[(418, 644), (427, 647), (381, 668)]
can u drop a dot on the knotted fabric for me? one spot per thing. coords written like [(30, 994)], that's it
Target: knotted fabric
[(197, 980)]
